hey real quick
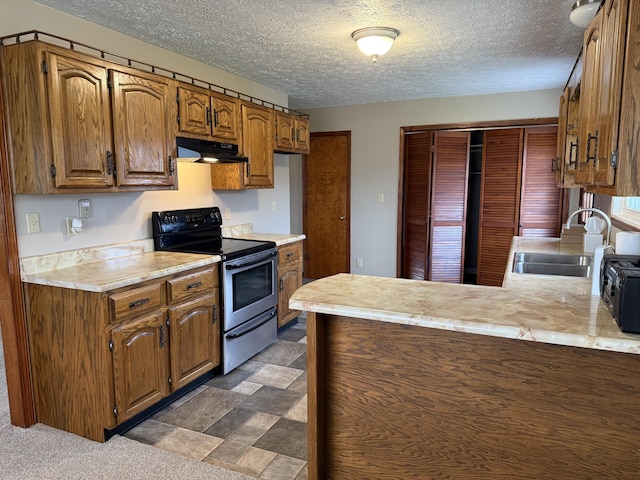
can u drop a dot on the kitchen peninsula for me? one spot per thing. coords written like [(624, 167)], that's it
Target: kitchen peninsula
[(412, 379)]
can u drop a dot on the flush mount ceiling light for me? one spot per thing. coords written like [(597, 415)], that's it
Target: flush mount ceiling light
[(375, 41), (583, 11)]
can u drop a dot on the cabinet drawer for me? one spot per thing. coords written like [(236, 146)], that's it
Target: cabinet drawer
[(136, 301), (191, 284), (290, 253)]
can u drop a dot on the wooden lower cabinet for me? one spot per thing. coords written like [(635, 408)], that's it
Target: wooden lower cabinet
[(140, 364), (100, 358), (393, 401), (289, 280)]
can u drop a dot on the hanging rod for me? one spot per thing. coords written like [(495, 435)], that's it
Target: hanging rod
[(33, 35)]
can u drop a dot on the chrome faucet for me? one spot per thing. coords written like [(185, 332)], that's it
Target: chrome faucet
[(594, 210)]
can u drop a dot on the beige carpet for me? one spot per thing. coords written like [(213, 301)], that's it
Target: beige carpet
[(45, 453)]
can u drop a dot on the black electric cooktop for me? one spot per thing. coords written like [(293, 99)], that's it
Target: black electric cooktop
[(199, 230)]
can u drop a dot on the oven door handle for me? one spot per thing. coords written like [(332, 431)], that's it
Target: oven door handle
[(257, 261), (255, 323)]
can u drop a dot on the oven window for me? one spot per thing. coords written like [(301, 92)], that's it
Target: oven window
[(252, 285)]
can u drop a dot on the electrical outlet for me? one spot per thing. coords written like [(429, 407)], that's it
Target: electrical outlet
[(227, 214), (359, 263), (33, 222), (381, 198)]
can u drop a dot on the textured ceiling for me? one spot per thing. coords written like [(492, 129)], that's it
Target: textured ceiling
[(304, 47)]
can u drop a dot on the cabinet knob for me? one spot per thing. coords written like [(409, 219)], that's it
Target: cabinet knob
[(341, 217)]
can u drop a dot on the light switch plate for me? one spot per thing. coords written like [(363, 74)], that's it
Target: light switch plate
[(84, 208)]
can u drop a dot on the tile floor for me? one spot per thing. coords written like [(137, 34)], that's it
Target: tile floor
[(252, 420)]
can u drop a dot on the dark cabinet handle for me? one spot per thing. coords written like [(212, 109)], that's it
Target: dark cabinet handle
[(110, 165), (214, 315), (137, 303), (215, 118), (194, 285), (163, 336), (595, 150), (208, 113), (172, 167)]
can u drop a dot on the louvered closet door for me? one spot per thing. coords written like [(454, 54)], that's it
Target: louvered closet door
[(417, 193), (540, 206), (500, 202), (448, 206)]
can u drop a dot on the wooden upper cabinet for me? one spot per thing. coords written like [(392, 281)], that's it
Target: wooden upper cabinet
[(69, 130), (145, 146), (589, 102), (285, 135), (81, 137), (610, 95), (257, 145), (449, 206), (208, 114), (607, 114), (292, 133), (568, 123)]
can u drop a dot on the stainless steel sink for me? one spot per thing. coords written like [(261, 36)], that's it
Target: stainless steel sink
[(553, 264), (555, 258)]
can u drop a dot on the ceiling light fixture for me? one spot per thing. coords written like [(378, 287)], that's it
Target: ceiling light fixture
[(375, 41), (583, 11)]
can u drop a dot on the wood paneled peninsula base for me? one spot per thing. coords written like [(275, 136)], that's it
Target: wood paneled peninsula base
[(400, 389)]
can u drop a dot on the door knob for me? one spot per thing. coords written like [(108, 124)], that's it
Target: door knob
[(341, 217)]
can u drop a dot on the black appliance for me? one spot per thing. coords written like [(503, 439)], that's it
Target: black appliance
[(207, 151), (248, 271), (620, 289)]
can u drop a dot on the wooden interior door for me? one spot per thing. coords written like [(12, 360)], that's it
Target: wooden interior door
[(541, 197), (416, 198), (449, 206), (326, 214), (499, 202)]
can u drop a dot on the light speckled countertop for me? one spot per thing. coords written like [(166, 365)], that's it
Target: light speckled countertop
[(104, 268), (542, 308)]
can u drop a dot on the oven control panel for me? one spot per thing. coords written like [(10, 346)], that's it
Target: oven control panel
[(173, 221)]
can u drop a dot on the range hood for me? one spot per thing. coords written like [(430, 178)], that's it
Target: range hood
[(205, 151)]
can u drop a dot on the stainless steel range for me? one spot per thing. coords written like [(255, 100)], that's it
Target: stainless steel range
[(247, 277)]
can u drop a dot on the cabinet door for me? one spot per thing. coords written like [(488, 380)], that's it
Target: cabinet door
[(194, 111), (561, 140), (614, 23), (289, 279), (225, 118), (257, 143), (144, 144), (499, 202), (285, 133), (301, 131), (449, 206), (587, 138), (140, 364), (540, 206), (80, 123), (195, 339)]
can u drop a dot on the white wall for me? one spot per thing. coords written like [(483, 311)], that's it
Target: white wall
[(375, 136), (125, 216)]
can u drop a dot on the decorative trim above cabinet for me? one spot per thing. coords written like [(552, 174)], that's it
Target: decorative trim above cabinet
[(32, 35)]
